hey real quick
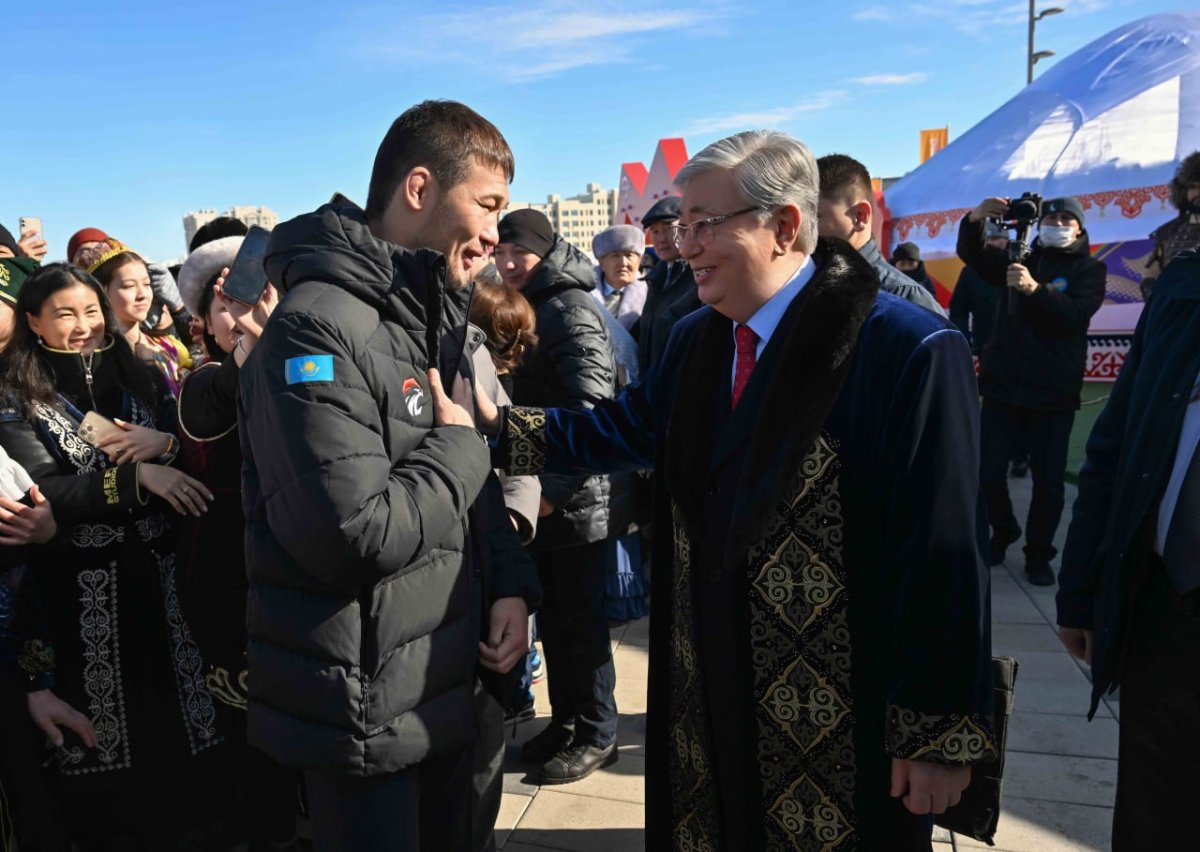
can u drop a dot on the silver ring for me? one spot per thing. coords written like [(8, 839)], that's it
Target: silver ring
[(186, 490)]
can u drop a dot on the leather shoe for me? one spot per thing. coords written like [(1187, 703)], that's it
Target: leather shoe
[(1039, 573), (998, 545), (576, 762), (547, 744)]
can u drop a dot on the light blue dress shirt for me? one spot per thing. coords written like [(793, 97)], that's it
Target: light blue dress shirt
[(767, 318)]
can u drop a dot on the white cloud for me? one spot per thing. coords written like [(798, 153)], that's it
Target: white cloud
[(892, 79), (874, 13), (774, 117), (541, 38)]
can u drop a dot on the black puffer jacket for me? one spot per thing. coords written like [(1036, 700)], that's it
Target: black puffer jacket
[(670, 296), (572, 367), (1038, 351), (362, 639)]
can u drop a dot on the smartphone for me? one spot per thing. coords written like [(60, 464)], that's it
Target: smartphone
[(247, 279), (96, 427), (31, 223)]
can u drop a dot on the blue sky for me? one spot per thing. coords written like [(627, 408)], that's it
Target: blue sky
[(126, 115)]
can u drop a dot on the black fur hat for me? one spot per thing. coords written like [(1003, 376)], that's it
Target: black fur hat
[(1188, 172)]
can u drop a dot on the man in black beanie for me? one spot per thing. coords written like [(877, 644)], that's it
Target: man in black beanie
[(907, 258)]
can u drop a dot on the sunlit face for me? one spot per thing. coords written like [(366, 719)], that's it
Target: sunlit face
[(459, 222), (733, 272), (1063, 219), (82, 247), (662, 237), (906, 265), (129, 293), (516, 264), (839, 216), (5, 251), (222, 326), (70, 319), (620, 268), (7, 318)]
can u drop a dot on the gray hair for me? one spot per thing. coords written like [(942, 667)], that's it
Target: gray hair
[(771, 170)]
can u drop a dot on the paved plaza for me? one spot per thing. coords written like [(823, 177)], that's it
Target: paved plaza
[(1060, 775)]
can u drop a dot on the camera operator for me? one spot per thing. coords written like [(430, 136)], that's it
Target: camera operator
[(1032, 369)]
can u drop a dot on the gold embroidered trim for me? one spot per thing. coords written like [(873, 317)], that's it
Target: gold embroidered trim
[(225, 688), (526, 441), (37, 657), (111, 494), (952, 739)]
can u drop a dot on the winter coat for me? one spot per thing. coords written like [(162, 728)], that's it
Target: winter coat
[(1130, 456), (573, 366), (973, 308), (1038, 353), (631, 300), (362, 638), (670, 296), (892, 280)]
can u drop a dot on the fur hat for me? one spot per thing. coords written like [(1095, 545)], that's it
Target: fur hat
[(222, 226), (665, 210), (204, 264), (618, 238), (528, 228), (1188, 172)]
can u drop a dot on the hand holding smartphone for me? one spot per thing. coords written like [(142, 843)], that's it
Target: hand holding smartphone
[(247, 279), (96, 427), (32, 241)]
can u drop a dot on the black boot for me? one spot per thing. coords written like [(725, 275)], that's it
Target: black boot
[(548, 743), (1039, 573), (998, 546)]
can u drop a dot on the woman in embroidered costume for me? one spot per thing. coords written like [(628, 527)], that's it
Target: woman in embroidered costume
[(118, 646), (126, 281), (212, 559)]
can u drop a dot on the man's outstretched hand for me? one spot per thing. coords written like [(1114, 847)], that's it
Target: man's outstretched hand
[(928, 788), (446, 412)]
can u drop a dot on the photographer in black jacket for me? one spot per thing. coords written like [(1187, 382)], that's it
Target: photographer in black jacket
[(1032, 368)]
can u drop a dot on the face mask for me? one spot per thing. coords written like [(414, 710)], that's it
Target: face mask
[(1056, 236)]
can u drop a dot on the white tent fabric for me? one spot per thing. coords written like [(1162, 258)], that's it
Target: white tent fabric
[(1108, 124)]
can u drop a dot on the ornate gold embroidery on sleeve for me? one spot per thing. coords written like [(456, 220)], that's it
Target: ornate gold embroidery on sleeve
[(222, 686), (526, 441), (111, 495), (36, 658), (953, 739)]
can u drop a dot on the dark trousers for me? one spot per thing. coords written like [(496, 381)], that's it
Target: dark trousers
[(574, 630), (1047, 435), (31, 805), (487, 780), (1158, 768), (418, 808)]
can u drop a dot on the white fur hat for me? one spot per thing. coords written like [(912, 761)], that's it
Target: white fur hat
[(201, 265)]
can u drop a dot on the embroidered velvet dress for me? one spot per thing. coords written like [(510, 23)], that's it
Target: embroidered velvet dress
[(118, 647)]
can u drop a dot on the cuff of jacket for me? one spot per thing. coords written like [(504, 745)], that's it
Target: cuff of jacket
[(1074, 613), (35, 663), (119, 486), (522, 445), (953, 739)]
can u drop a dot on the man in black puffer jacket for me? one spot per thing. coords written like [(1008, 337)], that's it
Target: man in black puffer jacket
[(571, 367), (1032, 369), (369, 499)]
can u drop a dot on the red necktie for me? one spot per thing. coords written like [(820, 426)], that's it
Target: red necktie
[(747, 353)]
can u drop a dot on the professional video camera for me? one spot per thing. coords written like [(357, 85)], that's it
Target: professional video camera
[(1020, 217)]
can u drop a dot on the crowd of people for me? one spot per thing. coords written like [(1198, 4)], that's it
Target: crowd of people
[(288, 559)]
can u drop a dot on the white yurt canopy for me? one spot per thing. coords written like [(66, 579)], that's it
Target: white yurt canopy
[(1108, 124)]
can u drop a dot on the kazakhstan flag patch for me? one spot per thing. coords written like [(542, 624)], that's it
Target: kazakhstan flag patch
[(308, 368)]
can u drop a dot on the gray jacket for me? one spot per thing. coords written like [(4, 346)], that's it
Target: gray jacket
[(892, 280)]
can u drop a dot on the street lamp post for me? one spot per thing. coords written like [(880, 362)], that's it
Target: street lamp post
[(1034, 56)]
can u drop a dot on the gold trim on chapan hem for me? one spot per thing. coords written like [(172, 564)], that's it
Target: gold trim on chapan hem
[(526, 441), (953, 739)]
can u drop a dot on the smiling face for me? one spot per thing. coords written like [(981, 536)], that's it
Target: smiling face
[(221, 325), (620, 268), (70, 319), (516, 264), (129, 293), (459, 222), (734, 272)]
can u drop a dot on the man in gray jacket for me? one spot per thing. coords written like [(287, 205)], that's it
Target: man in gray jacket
[(845, 211)]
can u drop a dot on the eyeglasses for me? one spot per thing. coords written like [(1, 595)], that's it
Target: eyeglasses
[(704, 230)]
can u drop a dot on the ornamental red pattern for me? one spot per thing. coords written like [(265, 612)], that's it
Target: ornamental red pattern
[(1130, 202)]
